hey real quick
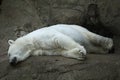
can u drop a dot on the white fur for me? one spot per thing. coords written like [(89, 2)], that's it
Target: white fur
[(67, 40)]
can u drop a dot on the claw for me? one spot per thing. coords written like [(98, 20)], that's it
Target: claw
[(82, 54)]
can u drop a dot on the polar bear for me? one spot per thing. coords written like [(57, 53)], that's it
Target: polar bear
[(71, 41)]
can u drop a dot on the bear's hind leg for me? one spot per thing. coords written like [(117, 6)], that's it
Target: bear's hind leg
[(70, 47), (104, 43)]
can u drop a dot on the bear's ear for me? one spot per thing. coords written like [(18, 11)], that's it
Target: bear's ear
[(10, 42)]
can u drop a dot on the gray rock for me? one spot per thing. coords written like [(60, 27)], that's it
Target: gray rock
[(40, 13), (96, 67)]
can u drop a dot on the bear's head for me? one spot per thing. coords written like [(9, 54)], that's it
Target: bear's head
[(18, 51)]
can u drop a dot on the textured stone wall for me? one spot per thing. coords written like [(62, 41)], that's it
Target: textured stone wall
[(33, 14)]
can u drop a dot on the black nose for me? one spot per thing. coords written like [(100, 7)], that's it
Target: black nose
[(13, 61)]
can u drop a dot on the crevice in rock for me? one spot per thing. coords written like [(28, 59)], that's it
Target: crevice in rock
[(0, 5), (92, 22)]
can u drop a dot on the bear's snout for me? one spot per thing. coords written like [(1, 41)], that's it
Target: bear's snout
[(13, 61)]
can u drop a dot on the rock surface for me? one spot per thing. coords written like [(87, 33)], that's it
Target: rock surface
[(96, 67), (33, 14), (40, 13)]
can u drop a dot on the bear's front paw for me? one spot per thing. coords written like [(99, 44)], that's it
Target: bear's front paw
[(82, 55), (82, 52)]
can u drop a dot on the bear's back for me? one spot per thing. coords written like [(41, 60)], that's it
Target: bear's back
[(75, 32)]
